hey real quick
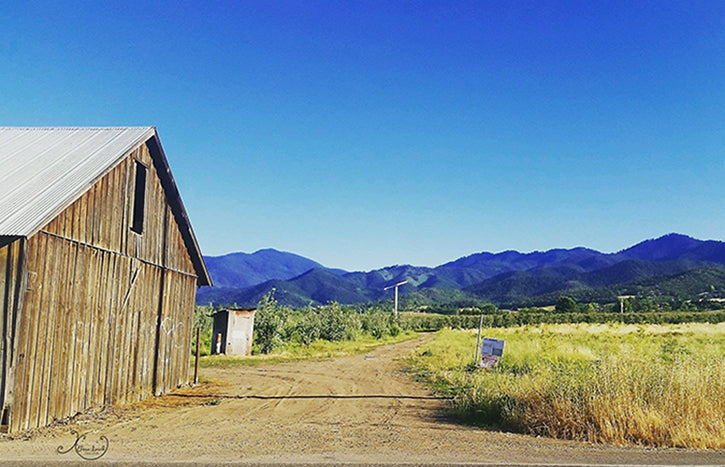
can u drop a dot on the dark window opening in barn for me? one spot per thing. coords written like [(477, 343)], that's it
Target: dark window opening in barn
[(139, 198)]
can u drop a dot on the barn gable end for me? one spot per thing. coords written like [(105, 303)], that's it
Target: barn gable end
[(106, 311)]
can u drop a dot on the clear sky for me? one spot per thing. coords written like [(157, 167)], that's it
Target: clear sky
[(365, 134)]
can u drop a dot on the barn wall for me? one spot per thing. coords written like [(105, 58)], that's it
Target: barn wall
[(11, 288), (107, 312), (102, 218)]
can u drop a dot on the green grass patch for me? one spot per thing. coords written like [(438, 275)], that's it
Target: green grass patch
[(319, 349)]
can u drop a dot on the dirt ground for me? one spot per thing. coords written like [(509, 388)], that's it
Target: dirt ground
[(360, 409)]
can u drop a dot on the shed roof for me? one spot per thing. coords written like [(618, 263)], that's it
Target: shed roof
[(248, 311), (44, 170)]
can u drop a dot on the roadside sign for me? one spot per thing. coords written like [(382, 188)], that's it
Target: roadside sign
[(491, 351)]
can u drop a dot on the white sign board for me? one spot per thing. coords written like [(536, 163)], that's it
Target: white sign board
[(491, 351)]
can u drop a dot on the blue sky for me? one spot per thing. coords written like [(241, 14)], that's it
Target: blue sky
[(365, 134)]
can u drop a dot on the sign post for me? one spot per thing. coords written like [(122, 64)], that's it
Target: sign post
[(478, 342)]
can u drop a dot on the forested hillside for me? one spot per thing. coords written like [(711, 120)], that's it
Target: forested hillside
[(672, 267)]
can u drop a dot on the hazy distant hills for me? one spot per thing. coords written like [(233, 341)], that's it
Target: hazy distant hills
[(673, 264)]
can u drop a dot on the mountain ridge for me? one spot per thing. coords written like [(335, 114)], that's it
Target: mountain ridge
[(240, 269), (504, 277)]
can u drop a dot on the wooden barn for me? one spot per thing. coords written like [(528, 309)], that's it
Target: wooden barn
[(99, 268)]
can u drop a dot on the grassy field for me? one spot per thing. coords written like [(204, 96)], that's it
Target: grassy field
[(657, 385), (316, 350)]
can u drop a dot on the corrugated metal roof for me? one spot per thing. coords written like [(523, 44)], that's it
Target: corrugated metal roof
[(44, 170)]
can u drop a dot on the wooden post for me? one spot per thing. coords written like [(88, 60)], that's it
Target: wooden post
[(478, 343), (196, 360)]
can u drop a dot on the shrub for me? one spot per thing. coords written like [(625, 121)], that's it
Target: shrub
[(269, 324), (309, 327), (566, 304), (379, 324), (338, 323), (203, 320), (434, 322)]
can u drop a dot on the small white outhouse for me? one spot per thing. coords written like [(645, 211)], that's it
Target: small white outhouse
[(233, 331)]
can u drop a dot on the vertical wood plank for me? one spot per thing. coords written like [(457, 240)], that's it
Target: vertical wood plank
[(119, 364), (101, 342), (110, 304), (125, 224), (92, 301), (100, 213), (6, 269), (59, 358), (79, 319), (91, 217), (116, 194), (27, 356), (54, 369), (46, 346), (82, 215), (16, 327)]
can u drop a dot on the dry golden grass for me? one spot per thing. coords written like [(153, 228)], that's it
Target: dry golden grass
[(636, 384)]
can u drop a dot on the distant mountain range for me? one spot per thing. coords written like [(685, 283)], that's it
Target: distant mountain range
[(670, 265)]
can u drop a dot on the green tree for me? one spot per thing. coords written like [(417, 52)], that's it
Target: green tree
[(269, 323), (309, 326), (566, 304), (643, 304), (338, 323)]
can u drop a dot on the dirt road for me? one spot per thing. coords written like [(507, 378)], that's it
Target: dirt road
[(360, 409)]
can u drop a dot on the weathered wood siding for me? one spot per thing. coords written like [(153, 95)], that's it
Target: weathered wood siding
[(107, 314), (11, 289)]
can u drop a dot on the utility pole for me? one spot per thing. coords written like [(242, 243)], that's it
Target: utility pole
[(622, 298), (396, 293)]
